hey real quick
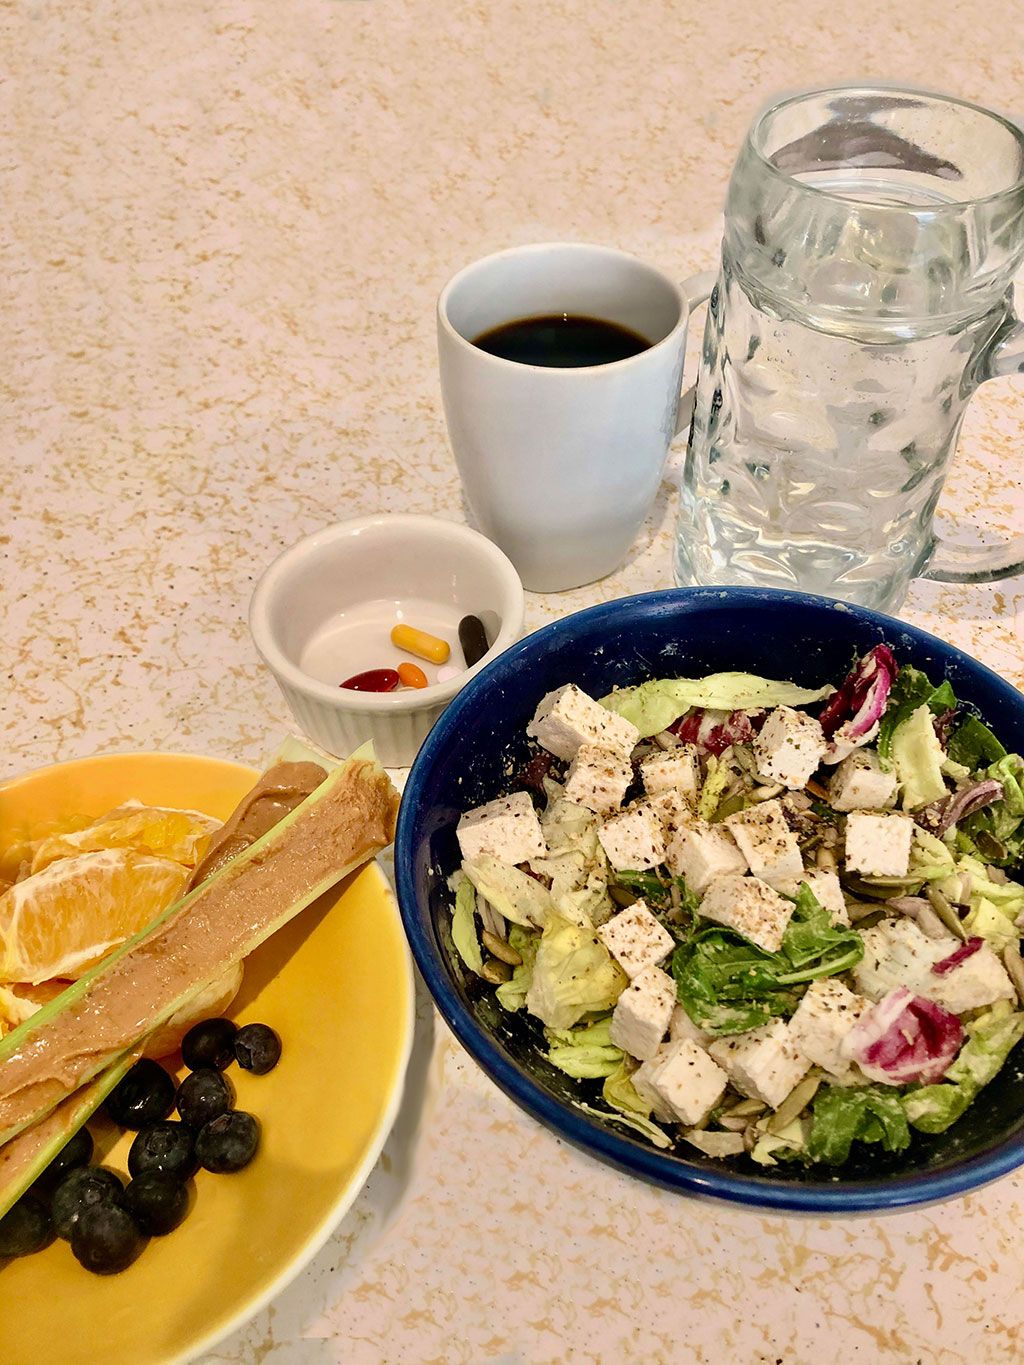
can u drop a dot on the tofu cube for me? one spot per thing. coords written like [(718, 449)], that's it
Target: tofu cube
[(507, 829), (859, 783), (764, 1064), (749, 906), (878, 845), (642, 1013), (767, 842), (567, 718), (979, 980), (672, 809), (598, 778), (790, 746), (897, 953), (825, 1015), (688, 1081), (700, 852), (635, 939), (635, 839), (678, 770), (826, 889), (682, 1026), (642, 1084)]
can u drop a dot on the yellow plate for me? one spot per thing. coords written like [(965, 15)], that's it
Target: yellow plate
[(336, 983)]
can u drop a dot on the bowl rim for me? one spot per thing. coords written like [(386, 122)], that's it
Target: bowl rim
[(271, 585), (627, 1154)]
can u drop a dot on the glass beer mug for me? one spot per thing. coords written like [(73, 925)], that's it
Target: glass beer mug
[(865, 291)]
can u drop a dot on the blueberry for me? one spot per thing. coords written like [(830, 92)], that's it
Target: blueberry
[(143, 1096), (77, 1151), (106, 1239), (25, 1228), (203, 1096), (257, 1048), (157, 1202), (211, 1043), (228, 1143), (166, 1147), (81, 1189)]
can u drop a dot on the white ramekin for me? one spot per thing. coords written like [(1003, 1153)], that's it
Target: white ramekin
[(382, 556)]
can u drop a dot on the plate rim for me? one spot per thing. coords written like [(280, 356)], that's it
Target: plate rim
[(337, 1210)]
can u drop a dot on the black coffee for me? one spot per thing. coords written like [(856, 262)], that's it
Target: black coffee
[(562, 341)]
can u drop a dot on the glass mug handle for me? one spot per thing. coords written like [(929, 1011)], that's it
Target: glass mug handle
[(697, 290), (985, 563)]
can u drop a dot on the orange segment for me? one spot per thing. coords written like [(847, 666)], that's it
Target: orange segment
[(181, 835), (18, 1003), (63, 920)]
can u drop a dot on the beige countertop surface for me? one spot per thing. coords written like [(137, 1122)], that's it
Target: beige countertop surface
[(224, 228)]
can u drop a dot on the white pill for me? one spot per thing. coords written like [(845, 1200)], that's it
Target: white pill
[(448, 671)]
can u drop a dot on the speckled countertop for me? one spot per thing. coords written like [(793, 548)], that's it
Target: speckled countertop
[(224, 227)]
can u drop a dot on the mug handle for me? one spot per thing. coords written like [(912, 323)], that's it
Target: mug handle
[(697, 290), (985, 563)]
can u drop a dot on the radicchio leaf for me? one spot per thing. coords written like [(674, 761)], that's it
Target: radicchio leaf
[(714, 731), (904, 1038), (852, 715)]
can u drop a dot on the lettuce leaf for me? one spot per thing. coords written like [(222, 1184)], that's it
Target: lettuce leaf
[(573, 975), (512, 993), (990, 1040), (520, 898), (718, 777), (917, 756), (911, 689), (842, 1116), (464, 934), (653, 706), (726, 985), (620, 1093), (586, 1052)]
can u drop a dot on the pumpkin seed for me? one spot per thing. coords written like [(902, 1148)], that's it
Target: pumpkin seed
[(747, 1109), (1014, 964), (501, 950), (945, 912), (495, 972), (794, 1104)]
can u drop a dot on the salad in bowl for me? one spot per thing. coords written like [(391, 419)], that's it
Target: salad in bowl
[(768, 923)]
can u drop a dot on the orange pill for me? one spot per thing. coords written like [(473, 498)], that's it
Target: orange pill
[(418, 642), (411, 675)]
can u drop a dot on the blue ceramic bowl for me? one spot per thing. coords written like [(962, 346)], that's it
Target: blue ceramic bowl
[(479, 740)]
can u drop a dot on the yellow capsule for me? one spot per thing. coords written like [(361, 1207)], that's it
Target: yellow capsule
[(418, 642)]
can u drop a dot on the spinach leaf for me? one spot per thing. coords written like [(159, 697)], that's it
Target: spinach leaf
[(974, 745), (842, 1116), (727, 985)]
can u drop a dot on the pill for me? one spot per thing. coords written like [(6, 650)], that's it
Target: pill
[(418, 642), (473, 639), (412, 675), (373, 680), (448, 672)]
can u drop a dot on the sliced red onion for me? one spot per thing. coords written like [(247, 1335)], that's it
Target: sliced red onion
[(943, 725), (958, 955), (904, 1038), (714, 731), (963, 803), (852, 715)]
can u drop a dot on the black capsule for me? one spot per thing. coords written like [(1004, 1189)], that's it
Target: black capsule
[(473, 639)]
